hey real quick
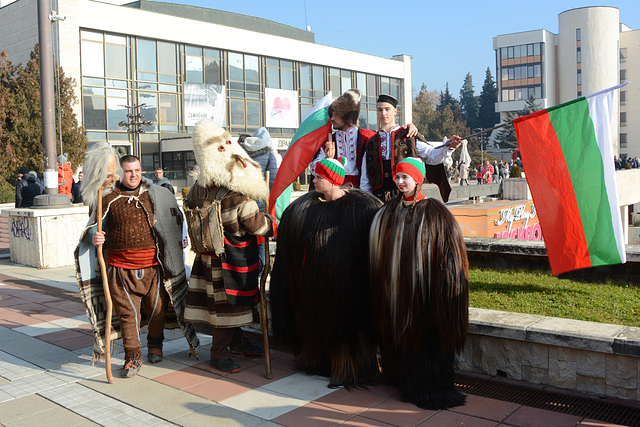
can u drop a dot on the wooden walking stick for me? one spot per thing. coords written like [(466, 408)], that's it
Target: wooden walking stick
[(263, 303), (107, 294)]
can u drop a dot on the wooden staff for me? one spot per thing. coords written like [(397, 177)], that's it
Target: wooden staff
[(263, 302), (107, 295)]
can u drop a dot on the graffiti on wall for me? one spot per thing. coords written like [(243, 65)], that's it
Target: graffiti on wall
[(20, 228)]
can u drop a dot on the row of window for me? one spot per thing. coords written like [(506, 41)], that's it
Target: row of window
[(522, 93), (520, 51), (521, 72), (120, 71)]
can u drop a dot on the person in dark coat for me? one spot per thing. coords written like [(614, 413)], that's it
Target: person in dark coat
[(26, 189)]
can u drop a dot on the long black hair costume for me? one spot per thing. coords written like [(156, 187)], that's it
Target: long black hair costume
[(420, 290), (319, 287)]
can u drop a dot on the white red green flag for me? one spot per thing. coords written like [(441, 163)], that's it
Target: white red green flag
[(567, 156), (310, 136)]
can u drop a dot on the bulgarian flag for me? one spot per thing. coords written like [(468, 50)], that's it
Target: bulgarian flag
[(567, 155), (310, 136)]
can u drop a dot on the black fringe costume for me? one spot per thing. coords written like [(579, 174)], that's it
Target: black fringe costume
[(420, 292), (320, 287)]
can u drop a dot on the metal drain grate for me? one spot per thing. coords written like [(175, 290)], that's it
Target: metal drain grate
[(552, 401)]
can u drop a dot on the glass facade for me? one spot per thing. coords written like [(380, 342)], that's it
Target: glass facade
[(520, 71), (124, 76)]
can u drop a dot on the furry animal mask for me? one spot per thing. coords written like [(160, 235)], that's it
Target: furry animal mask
[(224, 163)]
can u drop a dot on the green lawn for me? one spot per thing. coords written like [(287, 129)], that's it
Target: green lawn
[(540, 293)]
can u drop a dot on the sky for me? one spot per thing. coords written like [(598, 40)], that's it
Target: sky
[(446, 39)]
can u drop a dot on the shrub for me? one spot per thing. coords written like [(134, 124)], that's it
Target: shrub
[(296, 186), (515, 172), (7, 193)]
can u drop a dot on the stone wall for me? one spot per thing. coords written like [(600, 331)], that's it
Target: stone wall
[(594, 358)]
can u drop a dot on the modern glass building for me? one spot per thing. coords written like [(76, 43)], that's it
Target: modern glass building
[(591, 52), (159, 67)]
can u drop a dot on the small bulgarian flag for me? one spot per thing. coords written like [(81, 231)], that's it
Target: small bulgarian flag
[(567, 155), (310, 136)]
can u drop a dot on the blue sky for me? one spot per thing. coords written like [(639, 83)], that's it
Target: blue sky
[(445, 39)]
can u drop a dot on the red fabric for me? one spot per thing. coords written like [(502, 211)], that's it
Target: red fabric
[(133, 259), (558, 208), (487, 174), (65, 174)]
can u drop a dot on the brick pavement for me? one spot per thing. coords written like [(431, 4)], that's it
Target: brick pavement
[(46, 378)]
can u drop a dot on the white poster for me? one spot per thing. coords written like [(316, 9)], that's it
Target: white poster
[(281, 108), (204, 101)]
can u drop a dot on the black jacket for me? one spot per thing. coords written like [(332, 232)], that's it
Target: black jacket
[(26, 189)]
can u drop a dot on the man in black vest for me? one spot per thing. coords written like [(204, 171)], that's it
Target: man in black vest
[(391, 144)]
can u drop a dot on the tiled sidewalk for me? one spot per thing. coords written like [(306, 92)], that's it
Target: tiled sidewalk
[(46, 378)]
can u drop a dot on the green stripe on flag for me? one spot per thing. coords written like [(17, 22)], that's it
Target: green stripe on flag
[(575, 131)]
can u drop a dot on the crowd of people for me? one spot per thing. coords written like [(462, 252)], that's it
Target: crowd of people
[(30, 185), (626, 163), (338, 297), (484, 173)]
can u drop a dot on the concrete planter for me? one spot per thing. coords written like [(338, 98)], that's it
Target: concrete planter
[(45, 238)]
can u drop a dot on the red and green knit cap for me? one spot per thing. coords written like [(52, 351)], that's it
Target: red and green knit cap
[(332, 170), (413, 167)]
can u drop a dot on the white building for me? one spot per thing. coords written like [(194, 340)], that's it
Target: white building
[(592, 51), (178, 63)]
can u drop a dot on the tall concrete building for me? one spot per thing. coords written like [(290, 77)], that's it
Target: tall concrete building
[(174, 64), (591, 52)]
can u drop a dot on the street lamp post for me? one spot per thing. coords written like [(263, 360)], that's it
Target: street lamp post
[(134, 124), (481, 142)]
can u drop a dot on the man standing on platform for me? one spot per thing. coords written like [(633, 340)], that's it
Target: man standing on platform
[(393, 143)]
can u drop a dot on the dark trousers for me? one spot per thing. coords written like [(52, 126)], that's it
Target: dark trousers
[(222, 339)]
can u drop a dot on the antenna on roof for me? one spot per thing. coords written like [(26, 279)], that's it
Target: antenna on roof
[(306, 24)]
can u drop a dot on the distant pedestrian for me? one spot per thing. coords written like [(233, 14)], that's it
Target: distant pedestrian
[(26, 189)]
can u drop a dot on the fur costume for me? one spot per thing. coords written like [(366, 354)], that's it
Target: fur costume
[(320, 287), (223, 221), (224, 163), (347, 106), (420, 291)]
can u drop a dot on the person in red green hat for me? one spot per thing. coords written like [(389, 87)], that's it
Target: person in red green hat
[(409, 178), (320, 284), (420, 289)]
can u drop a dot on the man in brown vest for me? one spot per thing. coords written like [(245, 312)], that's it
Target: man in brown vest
[(392, 144)]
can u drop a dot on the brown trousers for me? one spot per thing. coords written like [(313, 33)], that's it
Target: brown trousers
[(130, 288)]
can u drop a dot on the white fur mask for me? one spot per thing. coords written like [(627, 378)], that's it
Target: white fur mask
[(224, 163)]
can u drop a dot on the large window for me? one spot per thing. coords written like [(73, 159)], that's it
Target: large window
[(245, 93), (202, 65), (280, 74), (312, 87)]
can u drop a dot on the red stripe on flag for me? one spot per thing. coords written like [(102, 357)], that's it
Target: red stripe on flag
[(295, 161), (552, 192), (240, 269)]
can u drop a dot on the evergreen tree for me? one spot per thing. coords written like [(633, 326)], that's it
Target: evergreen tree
[(506, 138), (468, 102), (446, 100), (487, 116), (21, 120)]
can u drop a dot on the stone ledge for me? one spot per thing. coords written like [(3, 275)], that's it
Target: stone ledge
[(575, 334)]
